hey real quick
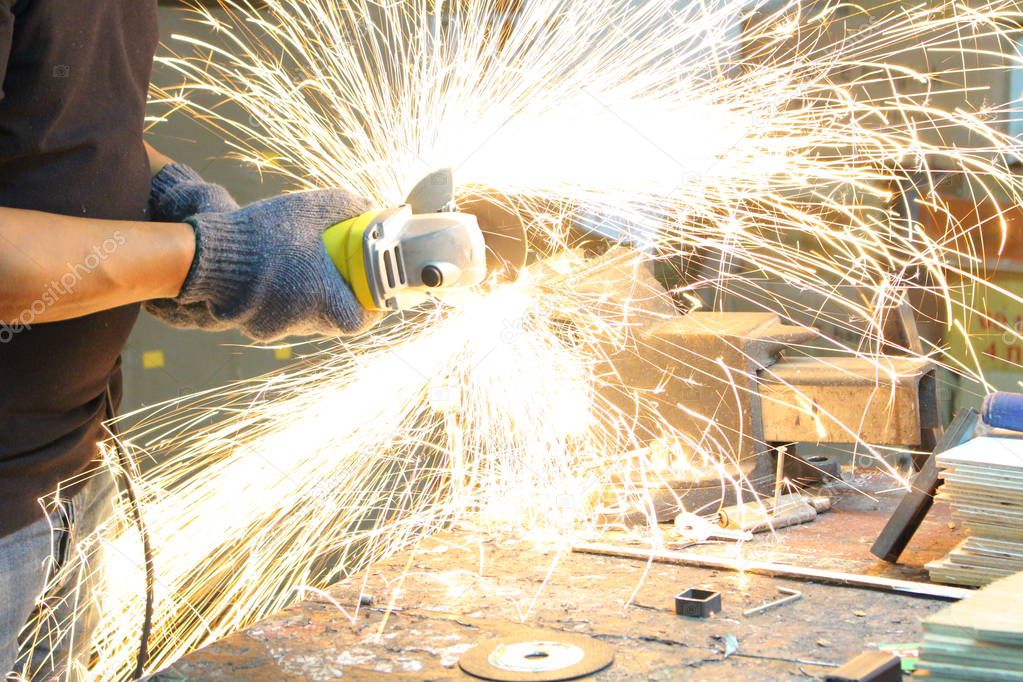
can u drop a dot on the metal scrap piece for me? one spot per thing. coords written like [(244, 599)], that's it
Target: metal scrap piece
[(791, 596)]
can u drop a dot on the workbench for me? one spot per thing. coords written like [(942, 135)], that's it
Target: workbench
[(421, 609)]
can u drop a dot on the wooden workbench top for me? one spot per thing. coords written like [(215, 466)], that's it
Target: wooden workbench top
[(431, 605)]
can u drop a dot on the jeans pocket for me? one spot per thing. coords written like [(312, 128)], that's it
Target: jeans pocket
[(62, 537)]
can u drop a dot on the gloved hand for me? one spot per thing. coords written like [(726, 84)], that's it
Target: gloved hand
[(264, 269), (176, 193)]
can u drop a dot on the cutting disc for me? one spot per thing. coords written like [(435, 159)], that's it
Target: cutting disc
[(536, 657), (503, 233)]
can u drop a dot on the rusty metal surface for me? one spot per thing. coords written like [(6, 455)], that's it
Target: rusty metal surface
[(827, 400), (432, 604)]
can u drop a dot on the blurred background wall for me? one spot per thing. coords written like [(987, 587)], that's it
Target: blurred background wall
[(161, 362)]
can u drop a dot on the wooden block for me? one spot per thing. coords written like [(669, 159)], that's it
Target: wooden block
[(870, 666)]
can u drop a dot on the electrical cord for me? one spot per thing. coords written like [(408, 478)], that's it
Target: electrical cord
[(147, 549)]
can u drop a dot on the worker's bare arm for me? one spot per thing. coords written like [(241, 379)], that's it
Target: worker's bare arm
[(157, 161), (55, 267)]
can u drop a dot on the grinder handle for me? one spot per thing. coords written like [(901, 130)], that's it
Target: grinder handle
[(344, 243), (1003, 410)]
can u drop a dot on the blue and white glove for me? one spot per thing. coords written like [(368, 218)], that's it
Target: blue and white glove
[(176, 193), (264, 268)]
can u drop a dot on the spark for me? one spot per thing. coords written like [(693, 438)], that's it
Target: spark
[(768, 143)]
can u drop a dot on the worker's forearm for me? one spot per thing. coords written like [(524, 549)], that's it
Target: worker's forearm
[(157, 161), (55, 267)]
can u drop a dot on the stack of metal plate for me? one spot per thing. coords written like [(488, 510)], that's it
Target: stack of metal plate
[(983, 481), (979, 638)]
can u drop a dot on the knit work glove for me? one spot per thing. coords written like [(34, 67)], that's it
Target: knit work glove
[(176, 193), (264, 269)]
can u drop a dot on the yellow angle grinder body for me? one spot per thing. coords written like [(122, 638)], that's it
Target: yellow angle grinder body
[(397, 258)]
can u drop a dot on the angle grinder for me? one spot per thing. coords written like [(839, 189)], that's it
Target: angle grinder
[(399, 257)]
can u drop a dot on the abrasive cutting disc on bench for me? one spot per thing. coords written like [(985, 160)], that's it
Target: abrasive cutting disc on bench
[(537, 657)]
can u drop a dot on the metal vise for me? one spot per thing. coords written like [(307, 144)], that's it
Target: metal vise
[(723, 380)]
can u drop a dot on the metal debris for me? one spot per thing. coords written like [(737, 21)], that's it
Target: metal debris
[(791, 596)]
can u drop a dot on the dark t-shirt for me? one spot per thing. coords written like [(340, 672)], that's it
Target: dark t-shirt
[(75, 78)]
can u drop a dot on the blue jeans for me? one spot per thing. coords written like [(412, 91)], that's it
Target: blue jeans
[(32, 610)]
